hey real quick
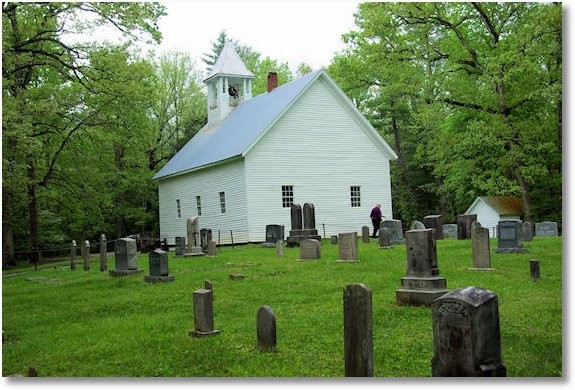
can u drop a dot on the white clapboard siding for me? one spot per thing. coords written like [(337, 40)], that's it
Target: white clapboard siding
[(206, 183), (486, 216), (320, 148)]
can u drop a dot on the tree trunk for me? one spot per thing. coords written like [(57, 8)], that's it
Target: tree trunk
[(525, 195), (33, 217)]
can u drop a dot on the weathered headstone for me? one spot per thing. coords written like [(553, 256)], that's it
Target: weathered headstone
[(193, 238), (86, 255), (308, 216), (334, 239), (73, 248), (205, 238), (527, 231), (203, 314), (422, 283), (299, 232), (180, 246), (466, 334), (450, 230), (384, 241), (535, 270), (434, 222), (212, 250), (480, 247), (347, 246), (464, 222), (158, 267), (510, 237), (208, 285), (358, 330), (103, 253), (273, 234), (125, 257), (310, 250), (395, 230), (296, 217), (546, 229), (266, 329), (417, 225), (365, 234), (279, 248)]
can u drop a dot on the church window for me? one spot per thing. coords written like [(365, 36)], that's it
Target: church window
[(222, 202), (355, 196), (178, 208), (287, 196)]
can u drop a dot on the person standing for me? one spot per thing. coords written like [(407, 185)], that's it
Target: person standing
[(376, 218)]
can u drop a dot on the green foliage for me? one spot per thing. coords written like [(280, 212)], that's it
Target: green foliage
[(89, 324)]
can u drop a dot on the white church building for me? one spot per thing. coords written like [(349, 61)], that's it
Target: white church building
[(302, 142)]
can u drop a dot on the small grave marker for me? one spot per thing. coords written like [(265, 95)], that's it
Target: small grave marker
[(103, 253), (310, 250), (347, 246), (535, 270), (480, 247), (73, 255), (546, 229), (86, 255), (203, 314), (365, 234), (384, 241), (125, 257), (266, 329), (158, 267)]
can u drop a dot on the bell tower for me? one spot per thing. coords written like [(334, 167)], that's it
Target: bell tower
[(229, 84)]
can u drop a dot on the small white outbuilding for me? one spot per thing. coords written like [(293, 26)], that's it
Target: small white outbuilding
[(492, 209), (302, 142)]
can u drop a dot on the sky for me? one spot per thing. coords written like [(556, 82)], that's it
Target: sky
[(294, 32)]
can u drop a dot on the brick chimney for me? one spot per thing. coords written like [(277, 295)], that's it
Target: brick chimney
[(272, 81)]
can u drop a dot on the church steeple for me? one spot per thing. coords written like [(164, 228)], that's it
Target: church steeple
[(229, 84)]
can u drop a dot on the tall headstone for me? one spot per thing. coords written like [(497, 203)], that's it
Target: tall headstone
[(296, 217), (546, 229), (347, 246), (273, 234), (73, 248), (279, 248), (365, 234), (510, 237), (103, 253), (464, 222), (450, 230), (395, 230), (205, 238), (301, 232), (86, 255), (422, 283), (310, 250), (125, 257), (180, 246), (358, 330), (158, 267), (480, 247), (384, 241), (266, 329), (203, 314), (212, 249), (466, 335), (308, 216), (527, 231), (535, 270), (193, 238), (434, 222)]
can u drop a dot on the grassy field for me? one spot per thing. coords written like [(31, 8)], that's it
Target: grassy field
[(89, 324)]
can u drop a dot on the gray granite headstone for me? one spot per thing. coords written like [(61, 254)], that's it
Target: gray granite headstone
[(347, 246), (535, 270), (546, 229), (296, 217), (158, 267), (73, 248), (510, 237), (205, 238), (279, 248), (193, 238), (434, 222), (466, 335), (395, 230), (422, 283), (308, 216), (103, 253), (464, 222), (273, 234), (125, 257), (203, 314), (212, 250), (299, 232), (480, 247), (365, 234), (310, 250), (86, 255), (527, 231), (180, 246), (334, 239), (450, 230), (384, 241), (266, 329), (417, 225), (358, 330)]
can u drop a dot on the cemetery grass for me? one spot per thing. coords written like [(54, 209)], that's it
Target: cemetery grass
[(89, 324)]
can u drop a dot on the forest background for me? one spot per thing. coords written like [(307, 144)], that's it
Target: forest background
[(469, 95)]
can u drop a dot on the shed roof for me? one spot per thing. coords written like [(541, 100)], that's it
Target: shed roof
[(229, 63), (503, 205)]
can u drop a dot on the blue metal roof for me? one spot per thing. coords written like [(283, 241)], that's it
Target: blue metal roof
[(238, 131)]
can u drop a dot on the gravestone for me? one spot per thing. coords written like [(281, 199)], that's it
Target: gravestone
[(480, 247), (158, 267), (417, 225), (180, 246), (103, 253), (273, 234), (450, 230), (365, 234), (358, 330), (395, 230), (546, 229), (125, 257), (384, 241), (266, 329), (347, 246), (535, 270), (86, 255), (299, 232), (422, 283), (193, 238), (466, 335), (527, 231), (434, 222), (334, 239), (73, 248), (212, 250), (510, 237), (208, 285), (310, 250), (203, 314), (205, 237), (279, 248), (464, 222)]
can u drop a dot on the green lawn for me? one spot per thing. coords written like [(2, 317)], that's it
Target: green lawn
[(89, 324)]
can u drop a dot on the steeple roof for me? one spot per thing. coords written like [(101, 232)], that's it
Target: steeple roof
[(229, 63)]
